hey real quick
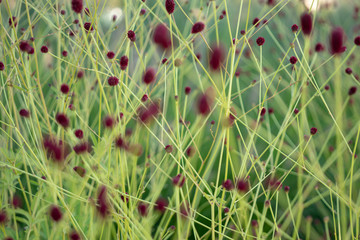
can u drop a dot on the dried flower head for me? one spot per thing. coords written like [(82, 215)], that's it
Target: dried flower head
[(113, 81), (131, 35), (170, 6), (260, 41), (124, 60), (77, 6)]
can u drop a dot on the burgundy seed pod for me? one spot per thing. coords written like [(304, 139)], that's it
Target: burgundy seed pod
[(168, 148), (79, 133), (63, 120), (3, 217), (352, 90), (162, 36), (64, 53), (12, 22), (197, 27), (293, 60), (217, 56), (319, 47), (131, 35), (80, 74), (16, 202), (55, 213), (357, 41), (313, 131), (102, 202), (44, 49), (77, 6), (113, 81), (2, 66), (142, 208), (74, 235), (110, 55), (187, 90), (124, 60), (337, 41), (286, 189), (64, 88), (260, 41), (80, 171), (306, 23), (170, 6), (256, 22), (228, 185), (242, 185), (149, 76), (88, 27), (24, 113), (161, 204), (142, 12), (348, 71), (294, 28), (108, 121), (81, 148)]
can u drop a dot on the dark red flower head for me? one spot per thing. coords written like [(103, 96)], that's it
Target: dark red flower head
[(25, 47), (2, 66), (319, 47), (149, 76), (306, 23), (12, 22), (142, 12), (313, 131), (88, 27), (357, 41), (77, 5), (16, 202), (74, 235), (55, 213), (82, 147), (293, 60), (44, 49), (179, 180), (242, 185), (80, 170), (352, 90), (187, 90), (217, 56), (109, 121), (170, 6), (131, 35), (79, 133), (124, 60), (162, 36), (294, 28), (24, 113), (64, 88), (197, 27), (260, 41), (3, 217), (168, 148), (146, 114), (161, 205), (55, 149), (348, 71), (143, 209), (337, 38), (110, 55), (113, 81), (256, 22), (102, 206), (205, 101), (63, 120), (228, 185)]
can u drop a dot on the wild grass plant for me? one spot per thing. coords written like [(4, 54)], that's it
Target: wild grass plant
[(177, 119)]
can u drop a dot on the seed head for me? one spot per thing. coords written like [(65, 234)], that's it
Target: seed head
[(113, 81), (296, 111), (337, 41), (348, 71), (170, 6), (124, 60), (228, 185), (63, 120), (286, 189), (64, 88), (80, 74), (242, 185), (64, 53), (110, 55), (108, 121), (187, 90), (217, 56), (131, 35), (306, 23), (74, 235), (313, 131), (260, 41), (197, 27), (88, 27), (55, 213), (162, 36), (256, 22), (144, 98), (24, 113), (77, 6), (352, 90), (294, 28), (149, 76), (293, 60), (25, 47), (142, 12), (44, 49)]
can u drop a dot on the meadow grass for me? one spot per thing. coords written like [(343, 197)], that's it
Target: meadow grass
[(176, 119)]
